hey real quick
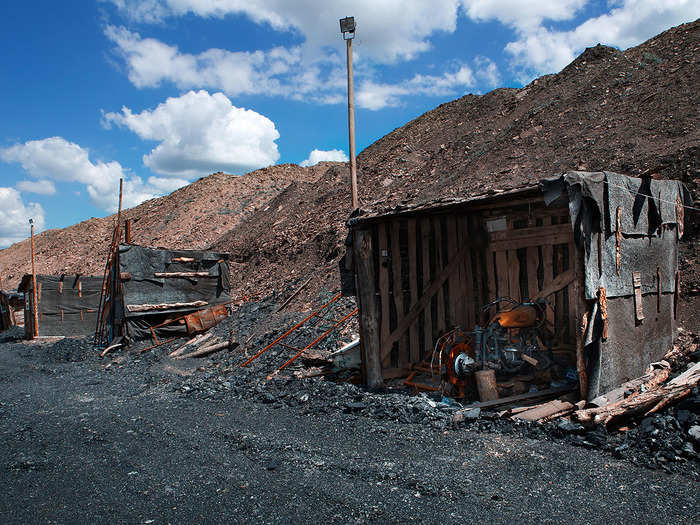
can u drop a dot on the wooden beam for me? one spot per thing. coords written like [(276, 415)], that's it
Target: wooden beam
[(398, 287), (369, 315), (424, 300), (428, 313), (163, 306), (385, 327), (513, 274), (414, 346), (167, 275), (439, 265), (561, 281)]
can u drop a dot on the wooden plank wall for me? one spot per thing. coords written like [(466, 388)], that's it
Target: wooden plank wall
[(412, 253)]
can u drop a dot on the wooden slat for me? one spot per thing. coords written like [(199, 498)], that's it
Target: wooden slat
[(398, 288), (572, 295), (533, 260), (437, 230), (513, 275), (467, 279), (537, 232), (525, 242), (483, 264), (548, 275), (502, 274), (455, 280), (428, 293), (385, 328), (414, 356), (427, 278)]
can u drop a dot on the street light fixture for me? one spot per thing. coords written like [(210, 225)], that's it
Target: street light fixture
[(347, 29), (347, 25)]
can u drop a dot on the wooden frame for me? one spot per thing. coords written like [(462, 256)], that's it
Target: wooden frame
[(434, 270)]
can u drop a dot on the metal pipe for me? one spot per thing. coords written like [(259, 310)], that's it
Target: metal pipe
[(351, 126), (301, 323), (319, 338)]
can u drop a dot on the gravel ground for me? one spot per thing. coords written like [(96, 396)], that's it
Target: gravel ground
[(152, 440)]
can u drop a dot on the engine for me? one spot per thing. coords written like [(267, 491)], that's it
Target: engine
[(511, 343)]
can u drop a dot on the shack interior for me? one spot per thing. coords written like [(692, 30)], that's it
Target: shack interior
[(424, 272), (67, 304), (150, 291), (11, 309)]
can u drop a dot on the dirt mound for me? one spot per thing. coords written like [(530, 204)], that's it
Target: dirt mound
[(633, 112), (191, 217)]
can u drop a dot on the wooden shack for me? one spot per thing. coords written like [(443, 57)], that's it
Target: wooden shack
[(150, 292), (423, 269)]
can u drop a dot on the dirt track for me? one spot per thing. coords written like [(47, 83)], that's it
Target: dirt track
[(81, 444)]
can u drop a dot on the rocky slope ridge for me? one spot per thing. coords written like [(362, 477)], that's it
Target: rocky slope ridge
[(190, 217)]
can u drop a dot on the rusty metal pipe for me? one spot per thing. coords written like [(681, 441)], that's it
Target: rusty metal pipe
[(298, 325), (319, 338)]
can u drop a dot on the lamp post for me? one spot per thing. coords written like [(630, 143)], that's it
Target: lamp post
[(347, 28), (34, 294)]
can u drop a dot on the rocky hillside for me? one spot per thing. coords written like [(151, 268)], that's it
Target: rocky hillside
[(635, 112), (191, 217)]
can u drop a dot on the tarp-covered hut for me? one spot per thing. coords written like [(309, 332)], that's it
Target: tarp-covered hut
[(150, 291), (601, 248), (67, 304)]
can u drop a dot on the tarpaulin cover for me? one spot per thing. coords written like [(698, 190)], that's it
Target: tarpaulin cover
[(143, 288), (67, 304), (648, 224), (645, 231)]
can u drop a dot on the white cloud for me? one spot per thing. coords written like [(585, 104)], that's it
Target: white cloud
[(314, 70), (389, 30), (487, 71), (522, 14), (372, 95), (317, 155), (200, 133), (540, 49), (42, 186), (56, 159), (15, 215)]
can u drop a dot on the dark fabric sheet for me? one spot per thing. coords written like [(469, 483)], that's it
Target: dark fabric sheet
[(141, 263), (144, 288), (67, 304), (645, 245)]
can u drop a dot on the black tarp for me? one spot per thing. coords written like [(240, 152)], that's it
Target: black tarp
[(142, 287), (650, 224), (67, 304)]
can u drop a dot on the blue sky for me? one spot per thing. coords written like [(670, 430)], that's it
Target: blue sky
[(162, 92)]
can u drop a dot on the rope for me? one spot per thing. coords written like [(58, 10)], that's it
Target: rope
[(652, 197)]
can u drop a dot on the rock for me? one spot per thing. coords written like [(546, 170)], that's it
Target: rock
[(569, 426), (694, 432), (466, 415)]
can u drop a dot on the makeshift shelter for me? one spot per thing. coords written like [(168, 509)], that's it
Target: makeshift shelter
[(11, 307), (602, 248), (67, 305), (150, 292)]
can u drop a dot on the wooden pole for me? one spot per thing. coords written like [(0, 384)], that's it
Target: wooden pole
[(351, 126), (34, 294), (369, 313), (127, 231)]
